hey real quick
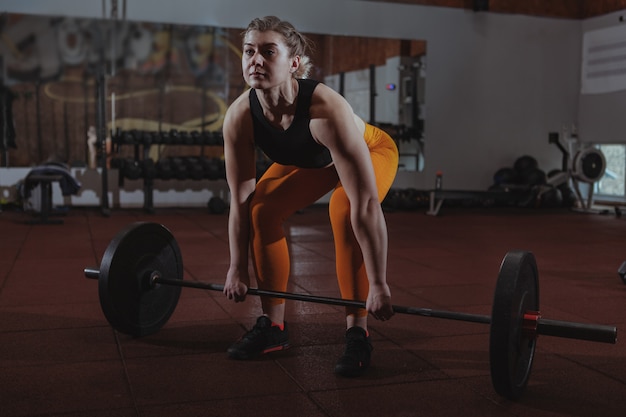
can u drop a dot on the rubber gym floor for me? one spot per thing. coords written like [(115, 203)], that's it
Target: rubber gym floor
[(60, 357)]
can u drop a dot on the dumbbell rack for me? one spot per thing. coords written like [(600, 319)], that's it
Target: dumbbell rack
[(139, 165)]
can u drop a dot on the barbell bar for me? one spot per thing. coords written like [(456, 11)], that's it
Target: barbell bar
[(156, 279), (534, 324), (141, 276)]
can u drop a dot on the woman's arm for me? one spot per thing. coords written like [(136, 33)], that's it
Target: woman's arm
[(335, 125), (240, 157)]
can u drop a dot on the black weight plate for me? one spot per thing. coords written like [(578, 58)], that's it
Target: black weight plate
[(130, 304), (511, 352)]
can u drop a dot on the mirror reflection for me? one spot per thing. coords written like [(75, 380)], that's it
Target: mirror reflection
[(176, 80)]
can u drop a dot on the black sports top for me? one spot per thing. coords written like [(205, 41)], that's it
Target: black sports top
[(295, 145)]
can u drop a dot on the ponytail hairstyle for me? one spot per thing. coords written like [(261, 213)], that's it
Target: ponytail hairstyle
[(297, 43)]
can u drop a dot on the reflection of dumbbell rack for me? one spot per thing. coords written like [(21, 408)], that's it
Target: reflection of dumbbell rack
[(141, 165)]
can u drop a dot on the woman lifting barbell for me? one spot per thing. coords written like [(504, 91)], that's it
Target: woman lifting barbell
[(318, 145)]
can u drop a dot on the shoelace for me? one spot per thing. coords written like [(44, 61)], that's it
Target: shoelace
[(356, 346), (255, 331)]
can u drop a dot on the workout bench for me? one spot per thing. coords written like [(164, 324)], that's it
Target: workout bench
[(437, 197), (45, 185)]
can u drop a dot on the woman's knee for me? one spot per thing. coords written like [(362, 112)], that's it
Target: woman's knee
[(264, 210), (339, 206)]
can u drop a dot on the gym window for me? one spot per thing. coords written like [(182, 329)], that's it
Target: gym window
[(612, 185)]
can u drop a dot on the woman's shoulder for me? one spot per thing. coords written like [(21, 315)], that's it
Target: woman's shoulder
[(239, 110), (240, 105), (323, 89), (326, 99), (242, 101)]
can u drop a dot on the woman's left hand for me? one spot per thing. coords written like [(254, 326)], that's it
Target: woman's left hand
[(378, 302)]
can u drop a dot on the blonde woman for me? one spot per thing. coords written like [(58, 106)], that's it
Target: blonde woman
[(317, 144)]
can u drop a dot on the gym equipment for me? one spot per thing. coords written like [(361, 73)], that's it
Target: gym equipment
[(583, 166), (214, 168), (196, 138), (503, 194), (569, 198), (179, 168), (128, 137), (164, 169), (141, 276), (505, 176), (166, 139), (622, 272), (101, 135), (551, 197), (132, 169), (148, 169), (217, 205), (213, 139), (405, 199), (524, 164), (533, 176), (186, 138), (175, 137), (44, 181), (194, 167), (146, 138), (589, 165)]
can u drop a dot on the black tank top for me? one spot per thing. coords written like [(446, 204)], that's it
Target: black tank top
[(294, 146)]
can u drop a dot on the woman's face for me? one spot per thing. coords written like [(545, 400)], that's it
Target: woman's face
[(266, 61)]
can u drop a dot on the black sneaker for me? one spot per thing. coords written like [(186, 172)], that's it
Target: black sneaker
[(263, 338), (356, 358)]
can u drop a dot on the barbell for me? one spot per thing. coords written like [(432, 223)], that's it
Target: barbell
[(141, 276)]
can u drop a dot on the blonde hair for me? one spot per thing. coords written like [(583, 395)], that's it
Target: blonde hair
[(297, 43)]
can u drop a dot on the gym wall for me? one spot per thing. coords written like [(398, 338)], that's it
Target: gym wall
[(601, 115), (496, 85)]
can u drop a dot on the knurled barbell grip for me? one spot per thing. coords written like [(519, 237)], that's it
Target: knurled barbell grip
[(442, 314), (426, 312), (582, 331), (260, 292)]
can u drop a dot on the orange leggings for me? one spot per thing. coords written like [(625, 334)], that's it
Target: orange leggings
[(283, 190)]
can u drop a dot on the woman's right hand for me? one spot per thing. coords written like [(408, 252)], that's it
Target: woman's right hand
[(235, 288)]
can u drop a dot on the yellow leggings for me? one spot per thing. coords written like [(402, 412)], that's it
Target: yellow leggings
[(283, 190)]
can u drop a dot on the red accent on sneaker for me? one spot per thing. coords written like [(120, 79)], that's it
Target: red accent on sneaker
[(275, 349), (280, 326)]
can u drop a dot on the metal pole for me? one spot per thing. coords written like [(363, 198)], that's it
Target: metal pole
[(372, 94), (591, 332), (582, 331), (102, 135), (426, 312)]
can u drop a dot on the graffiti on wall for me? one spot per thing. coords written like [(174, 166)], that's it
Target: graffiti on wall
[(158, 77)]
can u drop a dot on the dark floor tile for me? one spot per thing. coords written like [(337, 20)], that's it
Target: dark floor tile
[(204, 377), (118, 412), (44, 348), (427, 398), (52, 316), (51, 245), (281, 405), (212, 273), (59, 355), (571, 391), (455, 356), (183, 338), (313, 367), (196, 305), (50, 281), (80, 387)]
